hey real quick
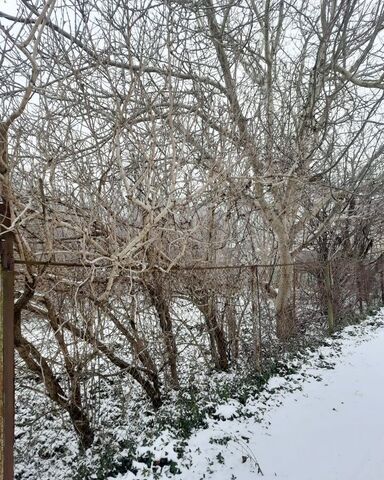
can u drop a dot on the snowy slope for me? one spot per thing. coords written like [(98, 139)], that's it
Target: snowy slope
[(321, 423)]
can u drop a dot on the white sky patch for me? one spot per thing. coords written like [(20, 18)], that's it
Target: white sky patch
[(9, 6)]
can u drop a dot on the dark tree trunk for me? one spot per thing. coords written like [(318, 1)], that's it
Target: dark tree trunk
[(161, 304)]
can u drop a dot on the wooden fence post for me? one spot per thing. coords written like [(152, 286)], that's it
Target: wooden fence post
[(2, 440), (382, 285), (7, 363), (256, 317), (328, 287)]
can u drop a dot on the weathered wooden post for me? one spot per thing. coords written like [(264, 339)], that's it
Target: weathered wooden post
[(7, 364), (256, 317), (382, 285), (328, 286)]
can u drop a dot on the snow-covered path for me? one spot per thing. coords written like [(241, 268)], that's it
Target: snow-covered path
[(320, 424), (332, 429)]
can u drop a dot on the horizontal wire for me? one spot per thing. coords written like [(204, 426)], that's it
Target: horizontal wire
[(177, 268)]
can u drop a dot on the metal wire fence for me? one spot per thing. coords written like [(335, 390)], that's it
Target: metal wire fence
[(158, 329)]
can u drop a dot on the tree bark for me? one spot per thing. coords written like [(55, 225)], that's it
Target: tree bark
[(161, 305), (286, 324)]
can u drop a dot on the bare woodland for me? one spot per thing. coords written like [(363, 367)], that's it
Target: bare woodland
[(189, 175)]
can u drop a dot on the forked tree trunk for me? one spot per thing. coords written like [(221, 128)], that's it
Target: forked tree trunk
[(139, 346), (37, 364), (143, 377)]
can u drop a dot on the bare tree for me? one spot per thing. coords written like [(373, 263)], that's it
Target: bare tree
[(146, 138)]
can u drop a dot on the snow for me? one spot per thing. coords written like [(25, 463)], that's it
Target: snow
[(275, 382), (324, 422), (228, 410)]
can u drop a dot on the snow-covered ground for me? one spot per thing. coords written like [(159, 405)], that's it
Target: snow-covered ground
[(324, 422)]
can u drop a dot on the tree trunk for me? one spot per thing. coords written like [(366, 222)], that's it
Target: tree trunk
[(286, 324), (162, 308), (205, 303), (150, 387), (82, 426), (233, 333), (38, 365), (328, 291)]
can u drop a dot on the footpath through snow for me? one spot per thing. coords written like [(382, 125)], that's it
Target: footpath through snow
[(325, 422)]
